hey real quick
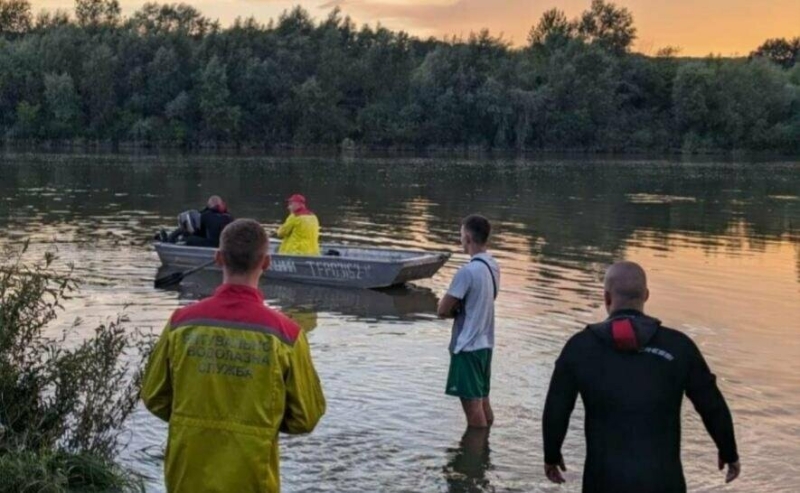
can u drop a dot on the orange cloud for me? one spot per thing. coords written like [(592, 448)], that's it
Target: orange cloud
[(512, 18), (698, 27), (711, 26)]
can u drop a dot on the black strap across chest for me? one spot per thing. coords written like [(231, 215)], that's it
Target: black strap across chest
[(491, 273)]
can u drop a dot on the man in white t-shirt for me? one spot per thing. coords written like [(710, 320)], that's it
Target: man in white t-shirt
[(470, 302)]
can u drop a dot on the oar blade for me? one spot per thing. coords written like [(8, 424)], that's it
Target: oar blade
[(170, 280), (177, 277)]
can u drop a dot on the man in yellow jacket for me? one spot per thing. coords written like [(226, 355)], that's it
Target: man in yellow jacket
[(228, 374), (300, 231)]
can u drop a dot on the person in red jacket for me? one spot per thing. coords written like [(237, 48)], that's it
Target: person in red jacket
[(632, 373)]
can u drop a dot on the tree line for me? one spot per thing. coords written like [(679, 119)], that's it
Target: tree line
[(169, 76)]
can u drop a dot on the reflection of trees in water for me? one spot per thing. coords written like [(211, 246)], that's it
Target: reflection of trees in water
[(466, 467), (796, 240), (584, 212), (305, 318)]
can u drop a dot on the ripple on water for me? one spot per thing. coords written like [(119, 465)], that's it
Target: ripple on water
[(721, 248)]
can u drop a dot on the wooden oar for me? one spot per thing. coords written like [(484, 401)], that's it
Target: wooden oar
[(177, 277)]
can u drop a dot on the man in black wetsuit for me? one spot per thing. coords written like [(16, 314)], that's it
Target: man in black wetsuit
[(631, 373)]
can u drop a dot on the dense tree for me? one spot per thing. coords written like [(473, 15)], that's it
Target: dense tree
[(63, 104), (50, 20), (97, 91), (93, 13), (553, 29), (15, 16), (221, 120), (692, 106), (183, 19), (608, 25), (167, 75), (784, 52), (580, 98), (28, 121)]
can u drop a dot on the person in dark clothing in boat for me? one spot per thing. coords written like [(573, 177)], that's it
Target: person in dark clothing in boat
[(631, 373), (203, 228)]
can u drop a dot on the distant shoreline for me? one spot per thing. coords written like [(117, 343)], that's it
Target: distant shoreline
[(369, 154), (375, 152)]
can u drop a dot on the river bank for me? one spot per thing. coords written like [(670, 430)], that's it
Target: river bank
[(129, 150)]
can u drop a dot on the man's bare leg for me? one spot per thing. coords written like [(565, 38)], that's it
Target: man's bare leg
[(473, 409), (487, 411)]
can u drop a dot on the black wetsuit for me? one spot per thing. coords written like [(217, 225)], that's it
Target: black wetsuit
[(632, 389), (212, 222)]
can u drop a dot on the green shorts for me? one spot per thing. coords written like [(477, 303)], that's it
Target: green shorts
[(469, 375)]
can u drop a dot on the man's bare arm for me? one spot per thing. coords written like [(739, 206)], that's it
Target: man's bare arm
[(448, 306)]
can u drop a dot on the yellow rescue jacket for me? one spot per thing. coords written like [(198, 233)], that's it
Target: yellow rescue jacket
[(228, 374), (300, 234)]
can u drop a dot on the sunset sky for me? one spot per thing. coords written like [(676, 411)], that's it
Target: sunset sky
[(698, 27)]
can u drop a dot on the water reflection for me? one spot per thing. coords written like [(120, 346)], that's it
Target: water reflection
[(466, 467), (570, 214), (302, 302), (721, 242), (306, 318)]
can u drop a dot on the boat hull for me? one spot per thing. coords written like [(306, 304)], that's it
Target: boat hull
[(352, 267)]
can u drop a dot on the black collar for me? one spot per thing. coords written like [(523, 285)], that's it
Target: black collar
[(626, 312)]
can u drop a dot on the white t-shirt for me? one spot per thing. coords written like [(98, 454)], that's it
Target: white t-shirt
[(473, 327)]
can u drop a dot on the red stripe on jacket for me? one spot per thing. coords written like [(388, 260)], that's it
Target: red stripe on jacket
[(240, 306)]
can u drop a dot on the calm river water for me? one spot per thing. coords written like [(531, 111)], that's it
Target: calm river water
[(721, 243)]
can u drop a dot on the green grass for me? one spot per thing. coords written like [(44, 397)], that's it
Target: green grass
[(61, 472)]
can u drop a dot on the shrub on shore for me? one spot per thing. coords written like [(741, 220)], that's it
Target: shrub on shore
[(62, 402), (63, 472)]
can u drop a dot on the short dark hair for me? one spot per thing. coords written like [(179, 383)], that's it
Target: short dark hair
[(243, 245), (478, 228)]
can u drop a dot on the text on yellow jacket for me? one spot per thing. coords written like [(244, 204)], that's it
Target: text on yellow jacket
[(229, 373)]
